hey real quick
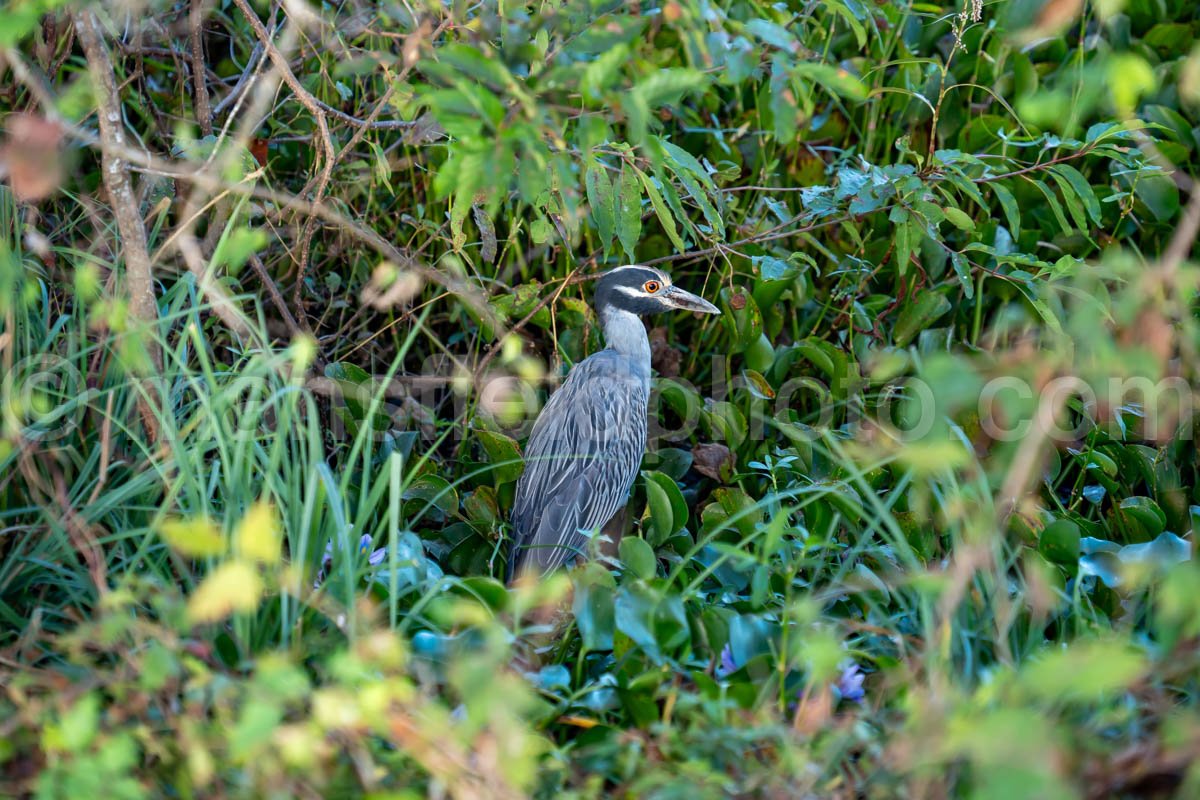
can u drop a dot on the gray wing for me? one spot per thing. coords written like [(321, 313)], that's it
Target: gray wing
[(581, 459)]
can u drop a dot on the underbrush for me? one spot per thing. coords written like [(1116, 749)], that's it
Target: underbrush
[(918, 511)]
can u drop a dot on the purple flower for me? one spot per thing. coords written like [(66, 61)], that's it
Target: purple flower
[(727, 665), (850, 683)]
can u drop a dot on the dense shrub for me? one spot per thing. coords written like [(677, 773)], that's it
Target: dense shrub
[(918, 509)]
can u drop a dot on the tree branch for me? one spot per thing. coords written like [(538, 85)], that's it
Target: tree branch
[(138, 275)]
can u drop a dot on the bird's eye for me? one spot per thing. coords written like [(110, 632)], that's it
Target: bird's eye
[(651, 286)]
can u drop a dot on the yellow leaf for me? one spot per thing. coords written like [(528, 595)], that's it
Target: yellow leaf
[(234, 586), (197, 537), (933, 457), (257, 535)]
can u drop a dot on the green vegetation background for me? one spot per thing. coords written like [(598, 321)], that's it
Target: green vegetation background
[(236, 560)]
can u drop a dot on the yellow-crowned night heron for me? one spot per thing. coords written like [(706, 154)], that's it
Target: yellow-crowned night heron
[(587, 444)]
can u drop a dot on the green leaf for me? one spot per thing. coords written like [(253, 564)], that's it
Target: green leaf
[(688, 161), (840, 8), (593, 606), (1086, 671), (835, 79), (773, 34), (903, 239), (1166, 549), (1060, 541), (1129, 77), (962, 269), (603, 203), (782, 100), (638, 557), (503, 454), (1082, 188), (958, 218), (1142, 517), (629, 211), (659, 519), (660, 208), (1055, 206), (1071, 200), (1008, 204), (918, 315), (599, 74)]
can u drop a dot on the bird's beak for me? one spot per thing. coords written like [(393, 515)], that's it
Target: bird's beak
[(686, 301)]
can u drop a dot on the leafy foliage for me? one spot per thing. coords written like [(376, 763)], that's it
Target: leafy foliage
[(918, 513)]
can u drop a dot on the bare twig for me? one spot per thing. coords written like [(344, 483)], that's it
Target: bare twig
[(209, 178), (314, 107), (138, 275), (204, 115), (280, 304)]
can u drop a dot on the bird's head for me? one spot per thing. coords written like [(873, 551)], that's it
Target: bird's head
[(646, 290)]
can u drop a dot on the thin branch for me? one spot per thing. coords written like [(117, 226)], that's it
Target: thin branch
[(142, 303), (204, 115), (314, 107)]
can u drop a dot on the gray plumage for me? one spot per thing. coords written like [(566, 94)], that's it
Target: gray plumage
[(587, 445)]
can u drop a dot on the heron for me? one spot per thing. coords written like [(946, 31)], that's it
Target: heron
[(587, 444)]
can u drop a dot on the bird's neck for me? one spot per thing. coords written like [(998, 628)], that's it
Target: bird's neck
[(625, 333)]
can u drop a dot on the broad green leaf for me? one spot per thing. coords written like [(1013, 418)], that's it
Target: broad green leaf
[(503, 455), (835, 79), (659, 519), (1060, 541), (602, 202), (638, 557), (1129, 77), (918, 314), (1085, 671), (629, 211), (773, 34), (593, 607), (958, 218)]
